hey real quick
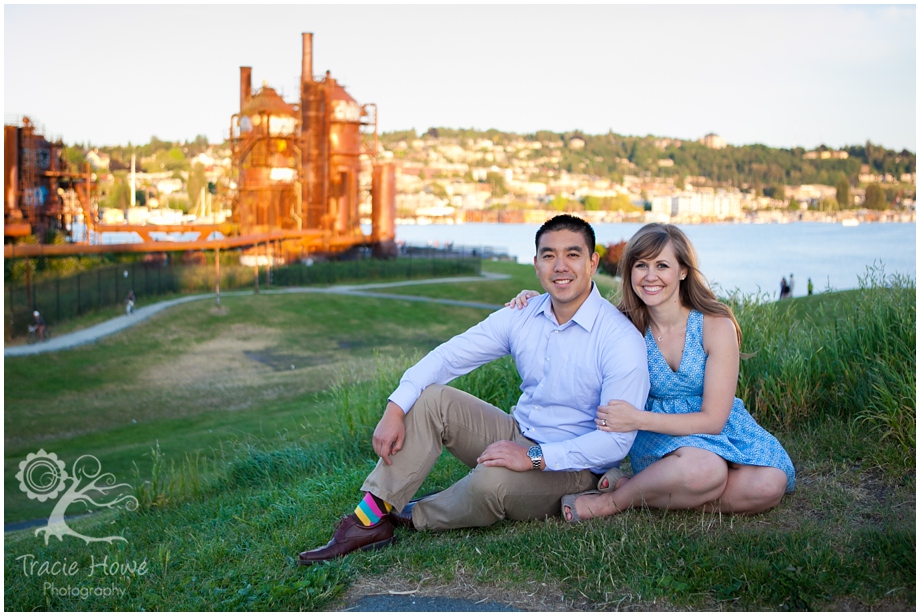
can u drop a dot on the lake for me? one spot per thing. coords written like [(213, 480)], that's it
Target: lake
[(747, 257)]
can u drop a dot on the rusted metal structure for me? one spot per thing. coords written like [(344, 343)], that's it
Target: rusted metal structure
[(40, 193), (308, 165), (301, 171)]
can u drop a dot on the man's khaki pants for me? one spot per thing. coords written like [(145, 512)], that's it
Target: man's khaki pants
[(444, 416)]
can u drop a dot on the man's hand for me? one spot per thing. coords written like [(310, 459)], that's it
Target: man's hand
[(390, 432), (508, 454)]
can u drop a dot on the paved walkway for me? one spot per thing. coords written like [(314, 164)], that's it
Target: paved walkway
[(389, 603), (101, 330)]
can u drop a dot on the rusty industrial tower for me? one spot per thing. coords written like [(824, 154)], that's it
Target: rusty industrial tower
[(301, 171), (307, 166)]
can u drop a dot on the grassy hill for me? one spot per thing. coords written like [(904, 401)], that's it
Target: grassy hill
[(245, 434)]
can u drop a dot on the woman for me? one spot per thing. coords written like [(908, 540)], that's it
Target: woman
[(698, 448)]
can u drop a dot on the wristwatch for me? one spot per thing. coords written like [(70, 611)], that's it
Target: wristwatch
[(535, 454)]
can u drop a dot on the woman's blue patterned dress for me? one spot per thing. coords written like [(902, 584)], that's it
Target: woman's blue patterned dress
[(742, 440)]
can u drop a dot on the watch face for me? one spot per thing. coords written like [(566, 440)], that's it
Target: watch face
[(535, 454)]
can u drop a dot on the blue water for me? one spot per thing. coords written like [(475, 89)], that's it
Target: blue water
[(749, 258)]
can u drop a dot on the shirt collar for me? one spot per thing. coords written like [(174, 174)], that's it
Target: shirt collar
[(586, 314)]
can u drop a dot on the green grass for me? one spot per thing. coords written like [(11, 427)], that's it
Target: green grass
[(193, 376), (223, 532), (494, 292)]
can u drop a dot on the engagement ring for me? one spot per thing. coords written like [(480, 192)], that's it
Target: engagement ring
[(604, 423)]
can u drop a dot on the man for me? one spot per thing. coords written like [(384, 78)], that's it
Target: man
[(573, 350), (129, 301)]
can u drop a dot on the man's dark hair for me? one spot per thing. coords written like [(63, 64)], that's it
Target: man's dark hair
[(567, 222)]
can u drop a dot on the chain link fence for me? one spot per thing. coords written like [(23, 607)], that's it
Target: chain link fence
[(65, 298)]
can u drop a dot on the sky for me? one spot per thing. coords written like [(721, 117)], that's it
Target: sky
[(780, 75)]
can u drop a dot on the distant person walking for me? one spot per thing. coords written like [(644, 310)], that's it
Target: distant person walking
[(129, 302), (791, 284), (783, 288), (38, 325), (811, 287)]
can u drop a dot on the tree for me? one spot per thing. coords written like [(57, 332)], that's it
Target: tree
[(197, 146), (777, 191), (592, 203), (875, 197), (74, 156), (843, 191), (610, 261), (563, 204), (119, 195), (438, 190), (497, 181)]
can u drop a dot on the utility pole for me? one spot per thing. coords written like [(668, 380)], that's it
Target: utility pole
[(256, 261), (217, 277), (133, 186), (268, 274)]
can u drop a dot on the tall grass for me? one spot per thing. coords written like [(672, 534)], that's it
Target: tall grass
[(853, 359)]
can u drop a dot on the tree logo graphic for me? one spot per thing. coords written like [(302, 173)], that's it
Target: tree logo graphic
[(42, 476)]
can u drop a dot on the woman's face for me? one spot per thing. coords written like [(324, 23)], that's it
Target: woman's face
[(656, 280)]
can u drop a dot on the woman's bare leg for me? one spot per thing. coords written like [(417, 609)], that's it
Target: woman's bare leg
[(749, 489), (687, 478)]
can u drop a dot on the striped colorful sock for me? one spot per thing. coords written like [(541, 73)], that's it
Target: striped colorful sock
[(371, 509)]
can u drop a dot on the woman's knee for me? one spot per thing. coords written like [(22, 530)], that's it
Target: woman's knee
[(702, 471), (756, 489), (771, 484)]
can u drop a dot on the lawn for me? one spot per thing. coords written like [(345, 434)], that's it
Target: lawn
[(263, 411)]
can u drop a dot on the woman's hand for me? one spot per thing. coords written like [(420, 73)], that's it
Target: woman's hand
[(619, 416), (521, 300)]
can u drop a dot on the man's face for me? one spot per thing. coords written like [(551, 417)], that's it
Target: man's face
[(564, 265)]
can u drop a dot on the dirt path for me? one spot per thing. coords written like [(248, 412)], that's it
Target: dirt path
[(94, 333)]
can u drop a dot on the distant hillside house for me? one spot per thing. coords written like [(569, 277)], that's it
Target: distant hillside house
[(169, 186), (665, 142), (97, 159), (203, 159), (826, 154), (576, 143), (713, 141)]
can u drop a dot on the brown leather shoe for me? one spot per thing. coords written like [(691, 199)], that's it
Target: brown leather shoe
[(349, 536), (403, 519)]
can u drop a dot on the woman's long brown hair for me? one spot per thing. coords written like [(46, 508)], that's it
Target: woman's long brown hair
[(647, 243)]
